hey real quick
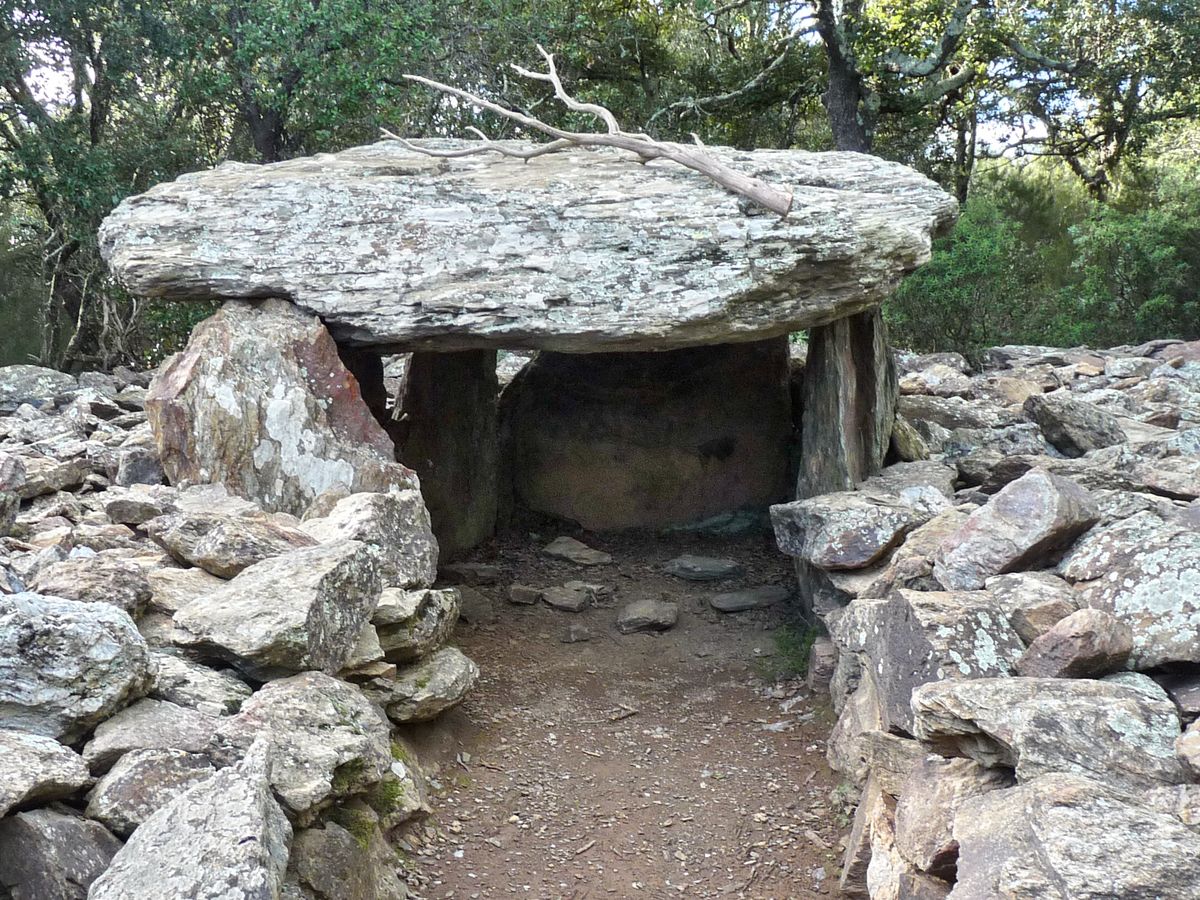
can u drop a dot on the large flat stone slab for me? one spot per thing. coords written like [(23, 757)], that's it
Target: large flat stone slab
[(578, 251)]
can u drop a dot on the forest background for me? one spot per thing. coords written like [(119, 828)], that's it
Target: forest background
[(1068, 129)]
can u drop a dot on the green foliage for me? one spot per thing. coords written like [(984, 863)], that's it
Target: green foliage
[(793, 644)]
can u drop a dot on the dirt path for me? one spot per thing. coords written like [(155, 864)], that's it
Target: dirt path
[(631, 765)]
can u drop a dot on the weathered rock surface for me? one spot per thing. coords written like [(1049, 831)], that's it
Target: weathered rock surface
[(197, 687), (1073, 426), (52, 854), (330, 863), (847, 530), (750, 598), (690, 567), (1147, 574), (36, 768), (303, 610), (66, 666), (148, 725), (261, 403), (173, 589), (34, 385), (1121, 733), (1067, 836), (647, 614), (412, 624), (1026, 523), (1087, 643), (568, 228), (224, 545), (648, 440), (140, 783), (914, 637), (931, 796), (221, 839), (96, 579), (573, 551), (396, 524), (429, 688), (573, 596), (328, 741), (1033, 601)]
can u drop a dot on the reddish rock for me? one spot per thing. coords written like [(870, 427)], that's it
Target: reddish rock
[(1086, 644)]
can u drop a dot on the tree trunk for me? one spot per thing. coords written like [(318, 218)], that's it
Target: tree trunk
[(844, 102)]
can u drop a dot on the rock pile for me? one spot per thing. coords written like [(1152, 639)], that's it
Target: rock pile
[(1015, 611), (199, 689)]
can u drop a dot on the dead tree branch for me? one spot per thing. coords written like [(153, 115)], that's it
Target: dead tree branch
[(646, 148)]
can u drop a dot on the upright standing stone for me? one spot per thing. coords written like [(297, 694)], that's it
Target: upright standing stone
[(850, 390), (448, 435), (261, 403)]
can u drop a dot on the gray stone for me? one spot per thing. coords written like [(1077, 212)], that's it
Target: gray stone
[(1073, 426), (173, 589), (939, 380), (303, 610), (647, 614), (189, 684), (223, 839), (224, 545), (573, 551), (702, 568), (914, 637), (1182, 685), (412, 624), (1033, 601), (447, 430), (524, 594), (396, 524), (35, 385), (424, 691), (334, 864), (750, 598), (1187, 749), (848, 530), (1066, 836), (574, 596), (52, 854), (140, 783), (1147, 574), (10, 506), (35, 769), (328, 741), (66, 666), (148, 725), (96, 579), (931, 796), (1123, 733), (261, 403), (1087, 643), (849, 402), (575, 634), (1029, 522), (372, 240)]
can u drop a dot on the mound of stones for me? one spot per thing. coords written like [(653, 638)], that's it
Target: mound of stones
[(201, 687), (1014, 607)]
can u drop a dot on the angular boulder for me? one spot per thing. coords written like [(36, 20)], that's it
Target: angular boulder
[(35, 385), (148, 725), (352, 237), (1068, 836), (224, 838), (847, 530), (142, 782), (261, 403), (66, 666), (224, 545), (647, 614), (429, 688), (34, 768), (1033, 601), (52, 854), (197, 687), (914, 637), (1087, 643), (396, 524), (1028, 522), (1120, 732), (1073, 426), (1146, 573), (412, 624), (96, 579), (303, 610), (328, 741)]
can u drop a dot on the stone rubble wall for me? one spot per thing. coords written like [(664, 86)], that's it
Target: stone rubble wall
[(1013, 616), (198, 688)]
